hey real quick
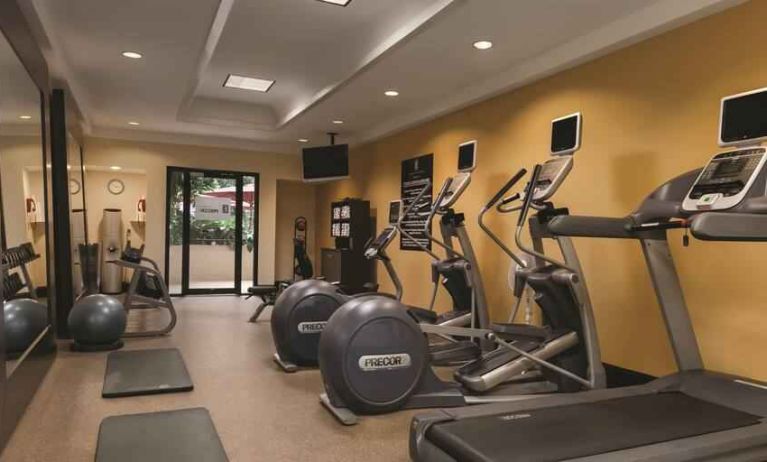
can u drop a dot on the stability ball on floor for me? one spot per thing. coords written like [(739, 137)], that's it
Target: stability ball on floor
[(24, 320), (97, 322)]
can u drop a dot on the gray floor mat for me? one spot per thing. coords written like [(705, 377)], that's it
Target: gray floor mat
[(145, 372), (185, 435)]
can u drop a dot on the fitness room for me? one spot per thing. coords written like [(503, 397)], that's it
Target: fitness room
[(355, 230)]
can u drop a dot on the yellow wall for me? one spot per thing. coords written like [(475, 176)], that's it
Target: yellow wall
[(154, 158), (650, 112), (294, 199)]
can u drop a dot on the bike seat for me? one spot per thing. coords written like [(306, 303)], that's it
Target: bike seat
[(262, 290)]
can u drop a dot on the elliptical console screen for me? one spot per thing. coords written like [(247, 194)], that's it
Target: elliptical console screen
[(467, 153), (552, 175), (548, 173), (565, 134), (744, 117), (381, 242)]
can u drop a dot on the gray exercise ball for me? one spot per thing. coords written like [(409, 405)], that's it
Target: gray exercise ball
[(24, 320), (97, 320)]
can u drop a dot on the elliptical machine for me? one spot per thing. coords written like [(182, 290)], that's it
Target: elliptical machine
[(374, 357), (302, 309)]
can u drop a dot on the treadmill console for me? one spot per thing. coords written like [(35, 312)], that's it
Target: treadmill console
[(553, 173), (726, 180)]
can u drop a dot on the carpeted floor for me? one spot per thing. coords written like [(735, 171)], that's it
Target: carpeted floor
[(261, 413)]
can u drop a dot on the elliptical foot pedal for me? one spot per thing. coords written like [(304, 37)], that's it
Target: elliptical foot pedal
[(342, 414), (285, 365), (88, 348)]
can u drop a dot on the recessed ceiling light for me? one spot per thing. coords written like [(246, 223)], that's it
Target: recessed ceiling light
[(69, 167), (483, 45), (391, 93), (132, 54), (303, 140), (135, 124), (115, 167), (25, 117), (337, 2), (338, 122), (248, 83)]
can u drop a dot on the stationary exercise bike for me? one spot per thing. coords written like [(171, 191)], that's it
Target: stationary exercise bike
[(302, 269)]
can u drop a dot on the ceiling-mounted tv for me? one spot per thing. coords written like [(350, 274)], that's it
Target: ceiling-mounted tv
[(326, 162)]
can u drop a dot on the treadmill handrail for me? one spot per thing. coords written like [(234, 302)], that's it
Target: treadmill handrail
[(743, 227), (608, 227)]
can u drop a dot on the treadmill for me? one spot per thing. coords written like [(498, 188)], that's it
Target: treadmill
[(693, 414)]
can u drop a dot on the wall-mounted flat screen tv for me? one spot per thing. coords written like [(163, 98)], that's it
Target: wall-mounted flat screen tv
[(326, 162)]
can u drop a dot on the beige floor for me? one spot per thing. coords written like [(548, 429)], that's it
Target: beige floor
[(261, 413)]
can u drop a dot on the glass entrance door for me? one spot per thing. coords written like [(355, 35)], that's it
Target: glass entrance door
[(212, 219)]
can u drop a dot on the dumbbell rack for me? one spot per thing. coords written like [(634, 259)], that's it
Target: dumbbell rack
[(18, 257)]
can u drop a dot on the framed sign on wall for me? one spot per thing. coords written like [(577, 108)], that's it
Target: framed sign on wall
[(416, 174)]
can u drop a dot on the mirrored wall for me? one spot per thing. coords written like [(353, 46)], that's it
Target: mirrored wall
[(22, 190)]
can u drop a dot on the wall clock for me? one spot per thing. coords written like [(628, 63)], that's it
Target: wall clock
[(74, 186), (115, 186)]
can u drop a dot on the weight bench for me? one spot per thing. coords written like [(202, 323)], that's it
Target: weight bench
[(267, 294)]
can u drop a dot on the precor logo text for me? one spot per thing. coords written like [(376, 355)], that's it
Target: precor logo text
[(312, 327), (390, 361)]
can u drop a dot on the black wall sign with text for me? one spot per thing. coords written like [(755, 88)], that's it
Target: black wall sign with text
[(416, 174)]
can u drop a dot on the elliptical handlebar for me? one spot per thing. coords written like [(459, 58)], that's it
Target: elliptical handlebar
[(529, 195), (501, 192), (435, 206), (527, 204), (409, 209), (434, 210), (509, 200), (480, 219), (412, 205)]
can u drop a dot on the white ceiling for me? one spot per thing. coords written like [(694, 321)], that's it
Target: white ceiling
[(329, 62), (19, 95)]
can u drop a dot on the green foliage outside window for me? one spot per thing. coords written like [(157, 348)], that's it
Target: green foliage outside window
[(204, 232)]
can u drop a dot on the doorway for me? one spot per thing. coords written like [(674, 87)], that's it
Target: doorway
[(211, 240)]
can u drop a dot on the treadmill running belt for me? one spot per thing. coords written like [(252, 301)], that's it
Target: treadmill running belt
[(581, 430)]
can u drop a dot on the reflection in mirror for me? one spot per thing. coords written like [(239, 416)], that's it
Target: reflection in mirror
[(24, 288), (77, 217)]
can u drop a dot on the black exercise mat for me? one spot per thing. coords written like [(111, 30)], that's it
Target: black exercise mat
[(145, 372), (185, 435), (581, 430)]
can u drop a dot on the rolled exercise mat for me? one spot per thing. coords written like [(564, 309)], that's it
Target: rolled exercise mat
[(111, 247)]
